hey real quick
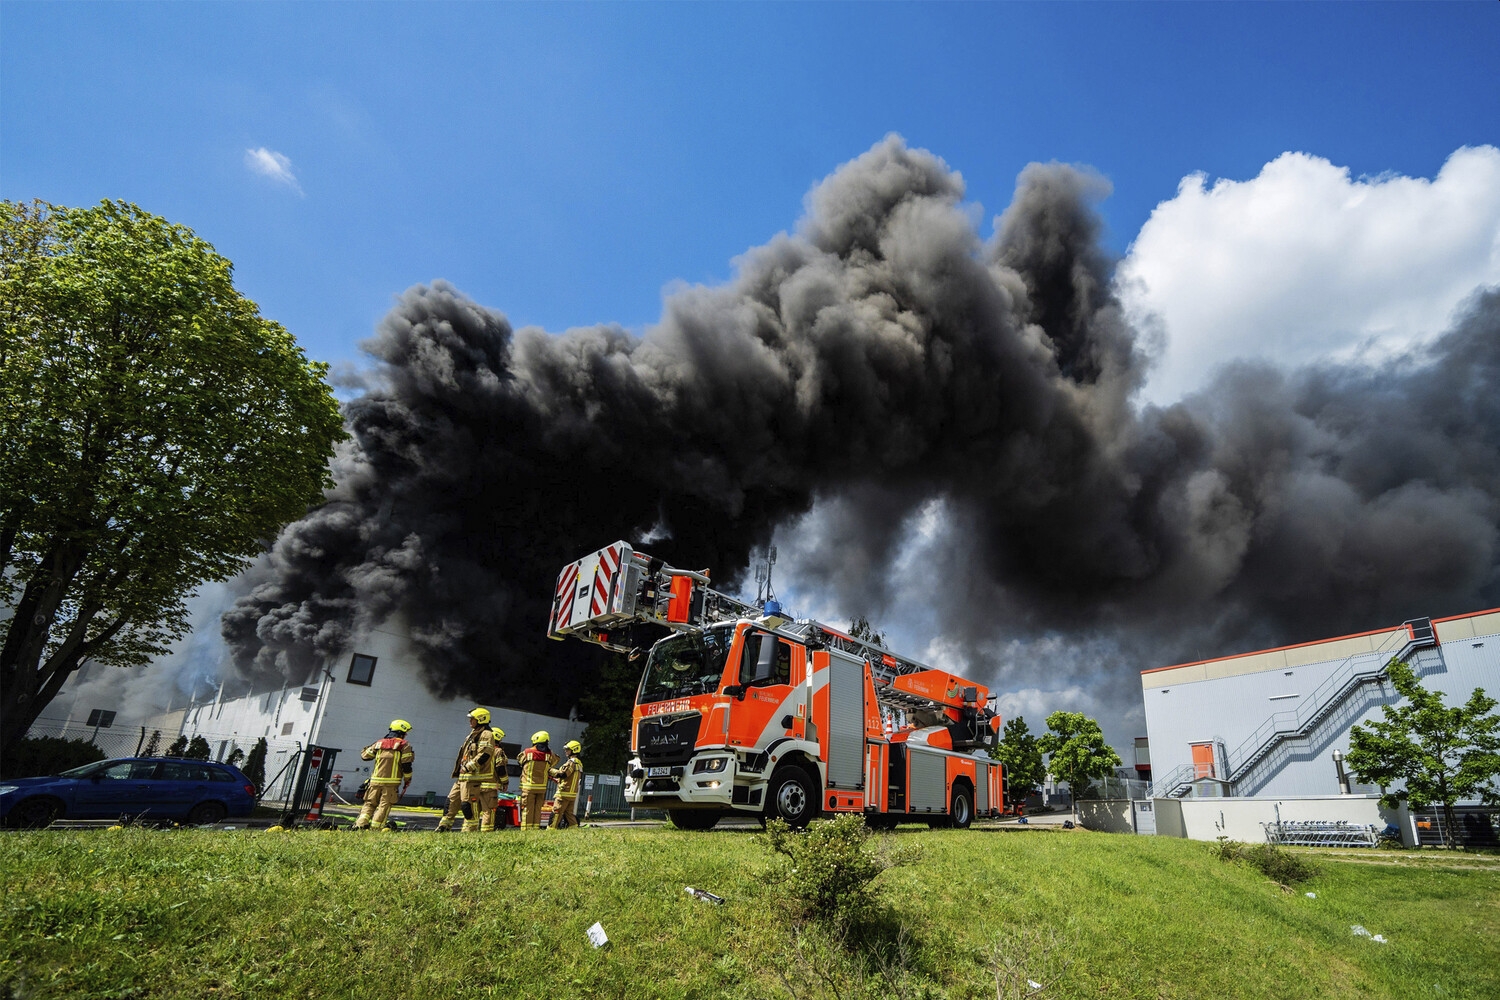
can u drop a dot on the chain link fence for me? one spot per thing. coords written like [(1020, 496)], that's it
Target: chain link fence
[(1116, 788)]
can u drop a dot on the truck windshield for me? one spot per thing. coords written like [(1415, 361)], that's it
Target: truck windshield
[(686, 665)]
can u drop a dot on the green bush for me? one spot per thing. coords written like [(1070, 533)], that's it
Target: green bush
[(830, 868), (1282, 867), (198, 749), (47, 755)]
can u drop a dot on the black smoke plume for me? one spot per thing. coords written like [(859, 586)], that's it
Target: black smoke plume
[(882, 363)]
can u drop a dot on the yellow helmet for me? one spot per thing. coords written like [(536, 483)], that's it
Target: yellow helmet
[(480, 715), (499, 733), (574, 746), (540, 736), (400, 726)]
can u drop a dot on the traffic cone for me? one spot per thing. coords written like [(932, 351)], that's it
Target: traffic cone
[(316, 812)]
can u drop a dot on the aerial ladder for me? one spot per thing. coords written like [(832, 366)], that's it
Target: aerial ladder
[(743, 710)]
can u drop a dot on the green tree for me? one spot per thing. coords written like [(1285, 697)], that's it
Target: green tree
[(1019, 751), (1437, 755), (255, 765), (178, 747), (198, 749), (1077, 751), (153, 745), (155, 432), (607, 707)]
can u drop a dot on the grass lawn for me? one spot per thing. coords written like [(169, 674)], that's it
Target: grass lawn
[(140, 913)]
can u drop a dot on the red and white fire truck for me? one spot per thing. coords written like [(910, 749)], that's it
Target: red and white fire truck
[(742, 710)]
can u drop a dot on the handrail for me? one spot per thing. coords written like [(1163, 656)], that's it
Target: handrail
[(1339, 683)]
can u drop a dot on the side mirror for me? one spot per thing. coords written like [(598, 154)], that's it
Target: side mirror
[(735, 691)]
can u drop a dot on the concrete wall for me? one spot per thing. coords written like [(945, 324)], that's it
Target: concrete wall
[(1226, 701), (1241, 819), (1105, 815)]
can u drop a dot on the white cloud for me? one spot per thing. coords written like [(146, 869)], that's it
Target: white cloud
[(1304, 262), (276, 166)]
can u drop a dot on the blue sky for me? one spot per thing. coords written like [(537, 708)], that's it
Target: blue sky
[(566, 163)]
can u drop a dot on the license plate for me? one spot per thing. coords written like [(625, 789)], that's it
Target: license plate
[(658, 772)]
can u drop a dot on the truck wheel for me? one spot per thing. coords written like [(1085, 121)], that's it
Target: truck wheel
[(962, 813), (793, 797), (693, 819)]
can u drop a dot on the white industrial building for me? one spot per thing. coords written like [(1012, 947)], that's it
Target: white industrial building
[(1273, 725), (347, 706)]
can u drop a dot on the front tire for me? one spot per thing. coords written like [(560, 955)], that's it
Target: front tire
[(794, 797), (962, 812), (34, 814), (693, 819), (205, 813)]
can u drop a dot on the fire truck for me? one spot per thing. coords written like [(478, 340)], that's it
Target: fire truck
[(743, 711)]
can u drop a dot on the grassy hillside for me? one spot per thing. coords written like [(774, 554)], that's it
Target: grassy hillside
[(226, 915)]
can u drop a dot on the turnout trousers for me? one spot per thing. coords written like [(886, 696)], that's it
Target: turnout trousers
[(563, 815), (531, 808), (377, 808), (480, 803)]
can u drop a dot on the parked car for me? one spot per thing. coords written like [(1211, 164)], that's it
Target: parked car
[(143, 788)]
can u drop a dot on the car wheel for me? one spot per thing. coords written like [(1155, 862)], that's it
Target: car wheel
[(962, 813), (693, 819), (205, 813), (33, 814), (793, 797)]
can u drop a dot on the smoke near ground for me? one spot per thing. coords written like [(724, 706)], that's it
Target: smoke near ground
[(926, 415)]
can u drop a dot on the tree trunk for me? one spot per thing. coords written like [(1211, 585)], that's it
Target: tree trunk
[(27, 687)]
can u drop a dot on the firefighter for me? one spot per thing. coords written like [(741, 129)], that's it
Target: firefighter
[(498, 782), (535, 761), (471, 769), (393, 758), (568, 775), (476, 770)]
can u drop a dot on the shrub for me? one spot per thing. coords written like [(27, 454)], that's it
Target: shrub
[(178, 748), (830, 868), (48, 755), (255, 765), (153, 745), (1282, 867), (198, 749)]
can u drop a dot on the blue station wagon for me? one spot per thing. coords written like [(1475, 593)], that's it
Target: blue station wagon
[(143, 788)]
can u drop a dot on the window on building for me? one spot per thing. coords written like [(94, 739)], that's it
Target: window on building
[(309, 694), (286, 729), (361, 669), (99, 717)]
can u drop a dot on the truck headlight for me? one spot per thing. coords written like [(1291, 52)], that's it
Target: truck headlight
[(712, 765)]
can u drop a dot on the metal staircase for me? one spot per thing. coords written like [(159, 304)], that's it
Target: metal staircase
[(1354, 672)]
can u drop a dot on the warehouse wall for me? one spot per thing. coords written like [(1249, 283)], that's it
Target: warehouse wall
[(1226, 700)]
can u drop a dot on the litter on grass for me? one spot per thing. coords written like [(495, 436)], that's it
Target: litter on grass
[(597, 936), (1033, 984), (704, 895), (1359, 931), (1310, 895)]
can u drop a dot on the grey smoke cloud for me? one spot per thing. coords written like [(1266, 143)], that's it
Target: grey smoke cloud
[(883, 357)]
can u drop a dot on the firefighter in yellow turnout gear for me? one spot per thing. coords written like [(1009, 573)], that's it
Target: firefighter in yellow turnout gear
[(390, 776), (476, 769), (536, 760), (568, 775), (498, 782)]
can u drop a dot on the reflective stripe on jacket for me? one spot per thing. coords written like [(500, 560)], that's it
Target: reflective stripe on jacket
[(393, 758), (534, 764), (568, 775), (500, 780)]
